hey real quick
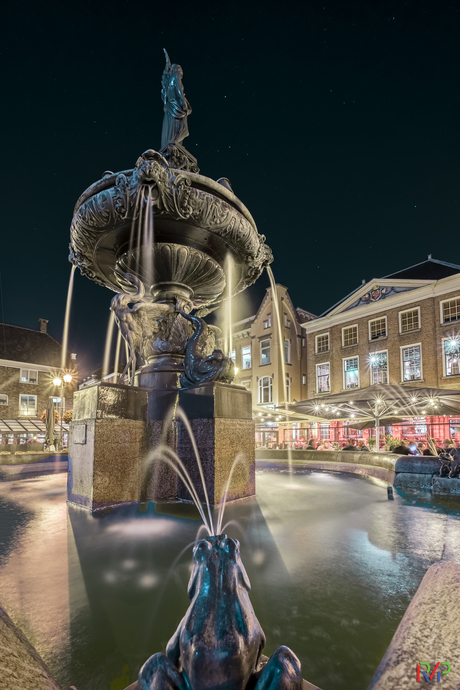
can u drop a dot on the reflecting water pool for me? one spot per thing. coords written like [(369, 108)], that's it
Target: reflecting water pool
[(333, 566)]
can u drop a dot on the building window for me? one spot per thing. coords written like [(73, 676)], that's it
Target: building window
[(268, 322), (246, 357), (246, 384), (265, 389), (412, 363), (450, 310), (29, 376), (409, 320), (264, 352), (378, 328), (3, 399), (288, 389), (287, 351), (379, 367), (350, 336), (324, 431), (287, 321), (452, 357), (304, 380), (28, 405), (351, 373), (323, 378), (232, 356), (322, 343)]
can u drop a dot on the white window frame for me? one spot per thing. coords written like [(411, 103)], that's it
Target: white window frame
[(287, 321), (404, 347), (378, 318), (287, 390), (246, 347), (321, 335), (264, 340), (32, 383), (353, 325), (322, 364), (441, 309), (401, 332), (346, 359), (26, 395), (444, 368), (261, 388), (288, 360), (378, 352), (6, 396)]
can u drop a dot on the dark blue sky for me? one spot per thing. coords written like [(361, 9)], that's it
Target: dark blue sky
[(336, 122)]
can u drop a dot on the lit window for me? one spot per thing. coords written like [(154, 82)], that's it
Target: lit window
[(409, 320), (268, 322), (322, 343), (246, 356), (412, 363), (3, 399), (29, 376), (232, 356), (379, 367), (451, 311), (287, 351), (304, 380), (288, 390), (323, 378), (287, 321), (351, 372), (377, 328), (28, 405), (350, 335), (324, 431), (265, 389), (452, 356), (264, 352)]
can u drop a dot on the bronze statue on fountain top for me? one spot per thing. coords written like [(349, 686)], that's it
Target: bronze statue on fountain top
[(196, 224)]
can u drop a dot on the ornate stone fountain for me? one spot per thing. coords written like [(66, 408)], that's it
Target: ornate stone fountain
[(159, 235)]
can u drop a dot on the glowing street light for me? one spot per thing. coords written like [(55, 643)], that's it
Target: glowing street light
[(57, 381)]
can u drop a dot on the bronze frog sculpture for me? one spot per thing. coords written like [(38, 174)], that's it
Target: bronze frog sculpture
[(218, 643)]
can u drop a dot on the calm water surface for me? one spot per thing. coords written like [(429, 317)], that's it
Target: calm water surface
[(333, 566)]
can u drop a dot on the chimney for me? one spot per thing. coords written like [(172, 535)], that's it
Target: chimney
[(43, 323)]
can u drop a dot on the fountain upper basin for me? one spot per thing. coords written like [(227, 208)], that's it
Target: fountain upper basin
[(197, 224)]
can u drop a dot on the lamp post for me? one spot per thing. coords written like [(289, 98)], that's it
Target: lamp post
[(59, 383)]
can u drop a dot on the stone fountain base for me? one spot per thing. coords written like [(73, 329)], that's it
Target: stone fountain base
[(116, 428)]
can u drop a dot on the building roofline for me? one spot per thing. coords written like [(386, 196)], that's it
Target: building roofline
[(434, 261)]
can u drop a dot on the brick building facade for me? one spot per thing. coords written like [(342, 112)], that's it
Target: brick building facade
[(401, 329), (29, 360), (257, 351)]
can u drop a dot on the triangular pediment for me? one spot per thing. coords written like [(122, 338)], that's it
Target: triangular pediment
[(376, 290)]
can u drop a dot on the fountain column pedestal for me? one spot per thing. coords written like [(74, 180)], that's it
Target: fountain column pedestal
[(115, 428), (220, 417)]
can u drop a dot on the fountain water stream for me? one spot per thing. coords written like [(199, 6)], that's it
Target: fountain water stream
[(65, 334), (281, 350)]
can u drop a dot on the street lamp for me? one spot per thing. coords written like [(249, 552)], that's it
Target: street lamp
[(59, 383)]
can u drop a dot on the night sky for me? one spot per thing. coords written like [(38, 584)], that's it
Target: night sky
[(336, 122)]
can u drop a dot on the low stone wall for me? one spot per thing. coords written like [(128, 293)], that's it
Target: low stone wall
[(405, 472), (21, 666), (31, 458), (33, 462), (429, 632)]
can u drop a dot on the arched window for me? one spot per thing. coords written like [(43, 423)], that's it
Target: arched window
[(265, 389)]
